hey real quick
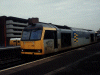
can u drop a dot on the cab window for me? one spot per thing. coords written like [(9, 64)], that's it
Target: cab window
[(49, 34)]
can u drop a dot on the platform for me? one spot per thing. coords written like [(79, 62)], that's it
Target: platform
[(9, 47), (9, 52), (60, 64)]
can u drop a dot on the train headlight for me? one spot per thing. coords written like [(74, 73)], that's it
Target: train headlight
[(39, 51), (23, 50)]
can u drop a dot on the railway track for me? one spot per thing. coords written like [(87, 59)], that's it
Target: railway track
[(2, 62), (9, 62)]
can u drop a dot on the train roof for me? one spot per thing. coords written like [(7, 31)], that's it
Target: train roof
[(54, 26), (60, 26), (81, 29), (15, 38)]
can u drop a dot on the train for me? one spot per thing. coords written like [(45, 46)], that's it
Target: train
[(45, 38), (14, 41)]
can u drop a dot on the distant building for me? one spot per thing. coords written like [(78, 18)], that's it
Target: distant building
[(11, 27)]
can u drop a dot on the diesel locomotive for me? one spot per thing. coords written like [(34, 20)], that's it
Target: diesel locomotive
[(44, 38)]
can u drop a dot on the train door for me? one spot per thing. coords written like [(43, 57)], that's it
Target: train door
[(55, 40), (50, 41), (65, 39), (95, 36)]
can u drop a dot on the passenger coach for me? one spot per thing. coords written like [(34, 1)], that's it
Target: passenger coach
[(45, 38)]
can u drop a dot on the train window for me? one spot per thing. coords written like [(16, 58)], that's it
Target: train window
[(49, 34), (36, 34), (25, 35), (31, 35)]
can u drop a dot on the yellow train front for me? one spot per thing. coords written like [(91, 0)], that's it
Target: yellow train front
[(32, 41), (14, 42), (45, 38)]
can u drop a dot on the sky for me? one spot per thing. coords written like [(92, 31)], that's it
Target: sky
[(73, 13)]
